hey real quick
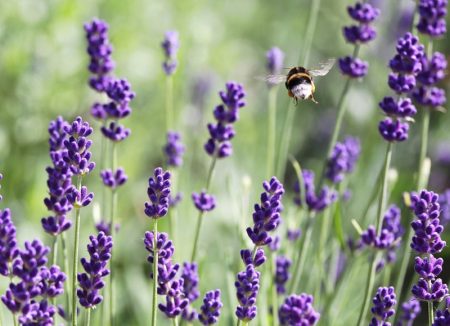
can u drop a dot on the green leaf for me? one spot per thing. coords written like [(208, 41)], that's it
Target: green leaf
[(337, 224)]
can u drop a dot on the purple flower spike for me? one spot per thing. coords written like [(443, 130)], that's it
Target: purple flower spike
[(31, 259), (393, 130), (294, 234), (247, 287), (282, 274), (54, 281), (363, 12), (170, 46), (258, 260), (410, 311), (433, 69), (353, 67), (442, 318), (114, 180), (266, 215), (274, 65), (298, 310), (175, 302), (204, 202), (91, 281), (343, 159), (429, 267), (401, 108), (359, 33), (158, 192), (78, 155), (115, 132), (190, 281), (444, 202), (80, 198), (8, 242), (221, 133), (383, 306), (99, 50), (210, 310), (275, 245), (55, 225), (174, 149), (37, 313), (427, 227), (432, 17), (106, 228), (429, 291)]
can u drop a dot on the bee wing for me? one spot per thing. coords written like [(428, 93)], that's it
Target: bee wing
[(273, 79), (323, 68)]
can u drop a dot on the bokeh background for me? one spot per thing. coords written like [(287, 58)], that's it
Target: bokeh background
[(43, 74)]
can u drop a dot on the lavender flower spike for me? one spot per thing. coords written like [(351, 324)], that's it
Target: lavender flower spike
[(432, 17), (383, 306), (210, 310), (275, 58), (158, 192), (247, 287), (204, 202), (343, 159), (282, 274), (8, 242), (91, 281), (410, 311), (298, 310), (170, 46), (174, 149)]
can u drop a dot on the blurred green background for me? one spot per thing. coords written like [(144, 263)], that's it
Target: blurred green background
[(43, 74)]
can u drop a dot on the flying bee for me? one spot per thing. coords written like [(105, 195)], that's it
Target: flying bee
[(299, 80)]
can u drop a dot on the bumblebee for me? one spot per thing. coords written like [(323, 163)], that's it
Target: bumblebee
[(299, 80)]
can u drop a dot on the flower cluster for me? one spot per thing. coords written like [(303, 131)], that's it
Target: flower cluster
[(444, 202), (190, 289), (275, 58), (204, 202), (59, 181), (314, 202), (170, 46), (389, 237), (427, 240), (293, 234), (91, 281), (158, 192), (210, 310), (113, 179), (432, 17), (383, 306), (247, 287), (364, 14), (343, 159), (298, 310), (442, 318), (221, 133), (174, 149), (8, 243), (29, 298), (405, 66), (266, 215), (99, 50), (282, 273), (410, 311), (257, 260)]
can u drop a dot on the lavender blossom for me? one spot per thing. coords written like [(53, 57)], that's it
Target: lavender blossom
[(257, 260), (175, 302), (170, 46), (275, 245), (343, 159), (204, 202), (221, 133), (8, 242), (432, 15), (293, 234), (282, 274), (106, 227), (442, 318), (444, 202), (190, 278), (314, 202), (383, 306), (410, 311), (158, 192), (99, 51), (91, 281), (364, 14), (210, 310), (247, 287), (274, 65), (114, 179), (266, 216), (174, 149), (298, 310), (37, 313), (429, 287)]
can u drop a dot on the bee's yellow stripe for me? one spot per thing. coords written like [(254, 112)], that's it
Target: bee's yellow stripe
[(299, 75)]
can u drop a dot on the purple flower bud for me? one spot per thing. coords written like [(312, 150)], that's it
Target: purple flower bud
[(175, 200), (174, 149), (353, 67), (432, 17), (170, 46), (275, 58), (175, 302), (247, 287), (429, 96), (298, 310), (258, 260), (282, 274), (442, 318), (433, 290), (80, 198), (114, 180), (8, 241), (158, 192), (444, 202), (115, 132), (55, 225), (429, 267), (190, 281), (53, 281), (402, 107), (343, 159), (359, 33), (31, 259), (363, 12), (91, 281), (37, 313), (383, 306), (204, 202), (410, 311), (210, 310), (105, 227), (275, 244), (294, 234), (393, 130)]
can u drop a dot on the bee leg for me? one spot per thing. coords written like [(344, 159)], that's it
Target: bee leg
[(313, 99)]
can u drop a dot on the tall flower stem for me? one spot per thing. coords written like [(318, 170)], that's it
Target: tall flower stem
[(169, 103), (112, 218), (55, 250), (324, 230), (200, 215), (430, 313), (75, 259), (273, 290), (66, 271), (88, 317), (289, 121), (422, 181), (272, 112), (175, 321), (155, 272), (379, 224)]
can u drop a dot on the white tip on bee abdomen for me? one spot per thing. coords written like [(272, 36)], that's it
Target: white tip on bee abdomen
[(302, 91)]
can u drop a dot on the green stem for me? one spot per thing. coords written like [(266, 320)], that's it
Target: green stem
[(75, 259), (200, 215), (155, 272), (302, 253), (88, 317), (175, 321), (289, 121), (15, 319), (272, 119), (112, 226), (380, 212), (66, 271), (324, 230), (169, 103), (55, 251), (430, 313), (273, 290)]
